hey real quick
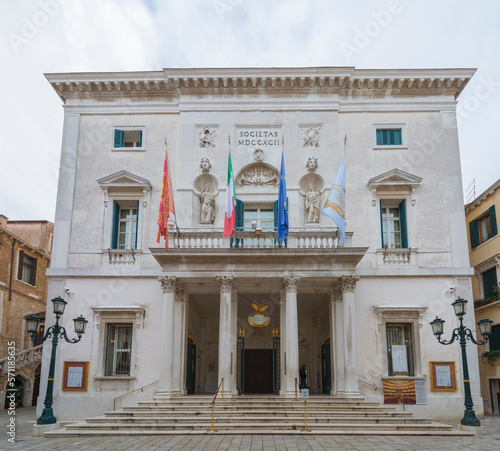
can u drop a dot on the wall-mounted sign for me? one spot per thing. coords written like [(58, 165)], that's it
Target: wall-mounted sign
[(75, 375), (443, 376), (399, 391)]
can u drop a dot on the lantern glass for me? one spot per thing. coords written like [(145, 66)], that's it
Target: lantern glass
[(437, 326), (485, 327), (80, 324), (59, 305), (32, 324), (459, 305)]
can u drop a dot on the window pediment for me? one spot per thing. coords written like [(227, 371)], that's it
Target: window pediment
[(394, 178), (124, 180)]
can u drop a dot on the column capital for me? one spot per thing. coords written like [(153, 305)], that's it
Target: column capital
[(226, 283), (337, 292), (291, 283), (348, 283), (169, 284)]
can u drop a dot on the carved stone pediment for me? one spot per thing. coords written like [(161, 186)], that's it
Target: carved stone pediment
[(258, 174), (395, 177), (124, 179)]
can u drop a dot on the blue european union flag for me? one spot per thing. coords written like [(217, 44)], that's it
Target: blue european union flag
[(282, 204)]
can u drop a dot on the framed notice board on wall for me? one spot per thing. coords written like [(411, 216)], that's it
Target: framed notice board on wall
[(443, 376), (75, 375)]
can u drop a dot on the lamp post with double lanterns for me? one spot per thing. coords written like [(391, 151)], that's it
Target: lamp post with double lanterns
[(55, 332), (463, 334)]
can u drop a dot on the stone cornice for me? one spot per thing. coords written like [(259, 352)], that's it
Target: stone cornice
[(345, 81)]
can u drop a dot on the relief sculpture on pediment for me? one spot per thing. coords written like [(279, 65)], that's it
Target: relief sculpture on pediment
[(258, 175)]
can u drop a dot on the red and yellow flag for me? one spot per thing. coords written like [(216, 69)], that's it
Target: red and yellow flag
[(166, 204)]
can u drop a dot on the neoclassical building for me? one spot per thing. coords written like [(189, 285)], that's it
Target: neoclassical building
[(246, 309)]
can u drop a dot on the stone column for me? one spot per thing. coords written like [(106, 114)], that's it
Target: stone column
[(234, 342), (226, 284), (348, 285), (282, 342), (291, 284), (337, 342), (169, 285), (179, 377)]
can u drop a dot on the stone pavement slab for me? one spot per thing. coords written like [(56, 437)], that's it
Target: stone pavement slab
[(25, 417)]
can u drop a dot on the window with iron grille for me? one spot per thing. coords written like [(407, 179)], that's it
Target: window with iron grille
[(400, 352), (118, 349)]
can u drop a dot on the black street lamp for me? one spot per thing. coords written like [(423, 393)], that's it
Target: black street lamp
[(464, 334), (55, 332)]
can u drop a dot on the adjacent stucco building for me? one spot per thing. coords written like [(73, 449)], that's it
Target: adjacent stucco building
[(357, 316), (484, 248)]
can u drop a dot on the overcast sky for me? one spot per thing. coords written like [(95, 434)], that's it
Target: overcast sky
[(40, 36)]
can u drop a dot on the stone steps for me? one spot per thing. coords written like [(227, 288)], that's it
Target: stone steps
[(257, 415)]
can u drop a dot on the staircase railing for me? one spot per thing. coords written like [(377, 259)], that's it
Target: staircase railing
[(22, 358), (213, 403), (132, 392)]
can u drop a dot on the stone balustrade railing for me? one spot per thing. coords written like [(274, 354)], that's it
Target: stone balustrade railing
[(397, 256), (23, 358), (298, 238), (122, 256)]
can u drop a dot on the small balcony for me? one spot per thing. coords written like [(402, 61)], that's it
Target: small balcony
[(298, 238)]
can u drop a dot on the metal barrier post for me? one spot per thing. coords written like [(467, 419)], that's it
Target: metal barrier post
[(305, 417), (213, 430)]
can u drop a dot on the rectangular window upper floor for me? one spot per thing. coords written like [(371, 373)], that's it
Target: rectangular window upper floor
[(483, 228), (389, 136), (129, 138)]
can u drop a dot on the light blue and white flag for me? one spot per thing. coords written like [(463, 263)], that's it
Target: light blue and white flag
[(335, 203)]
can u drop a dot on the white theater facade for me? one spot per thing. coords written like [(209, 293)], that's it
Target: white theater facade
[(245, 310)]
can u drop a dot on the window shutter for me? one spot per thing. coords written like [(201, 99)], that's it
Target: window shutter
[(382, 223), (136, 225), (239, 213), (380, 137), (474, 234), (495, 338), (118, 138), (493, 221), (402, 224), (140, 138), (116, 224), (489, 282), (33, 271), (20, 265), (397, 137)]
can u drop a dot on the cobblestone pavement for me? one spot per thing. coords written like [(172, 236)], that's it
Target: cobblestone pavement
[(25, 418)]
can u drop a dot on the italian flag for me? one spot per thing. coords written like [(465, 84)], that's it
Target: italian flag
[(230, 194)]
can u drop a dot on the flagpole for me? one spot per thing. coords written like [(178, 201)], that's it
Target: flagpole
[(170, 180), (345, 142)]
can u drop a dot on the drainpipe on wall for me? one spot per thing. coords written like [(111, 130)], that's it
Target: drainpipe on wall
[(11, 268)]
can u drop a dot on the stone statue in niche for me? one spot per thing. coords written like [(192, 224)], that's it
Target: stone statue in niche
[(207, 137), (312, 205), (207, 201), (310, 136), (205, 165), (312, 164)]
